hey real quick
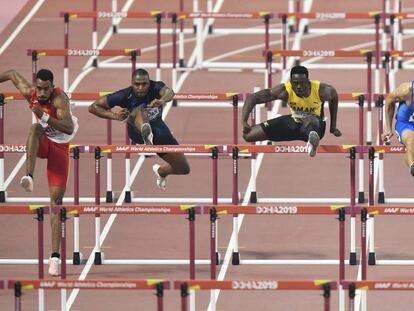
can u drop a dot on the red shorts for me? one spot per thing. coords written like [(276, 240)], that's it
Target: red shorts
[(57, 156)]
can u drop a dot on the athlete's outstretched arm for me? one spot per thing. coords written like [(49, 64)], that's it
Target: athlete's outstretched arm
[(63, 122), (166, 95), (328, 93), (260, 97), (19, 82), (401, 93), (101, 109)]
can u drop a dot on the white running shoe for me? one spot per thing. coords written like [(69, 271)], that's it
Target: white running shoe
[(161, 181), (146, 133), (53, 266), (27, 183), (313, 142)]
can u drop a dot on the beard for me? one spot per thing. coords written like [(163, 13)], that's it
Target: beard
[(43, 101)]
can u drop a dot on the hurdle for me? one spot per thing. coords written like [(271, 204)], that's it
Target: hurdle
[(342, 149), (232, 98), (140, 15), (69, 210), (19, 286), (199, 16), (65, 53), (205, 149), (268, 285), (376, 285), (283, 210), (381, 150)]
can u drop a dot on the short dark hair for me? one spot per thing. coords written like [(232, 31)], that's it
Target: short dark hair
[(45, 75), (140, 72), (299, 70)]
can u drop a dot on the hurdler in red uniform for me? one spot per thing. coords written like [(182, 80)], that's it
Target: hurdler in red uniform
[(55, 144), (48, 139)]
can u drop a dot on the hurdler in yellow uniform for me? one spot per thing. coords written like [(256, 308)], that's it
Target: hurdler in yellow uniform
[(303, 107), (306, 102)]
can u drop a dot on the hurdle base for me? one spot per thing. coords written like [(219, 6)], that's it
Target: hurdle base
[(95, 63), (98, 258), (371, 259), (181, 63), (235, 260), (174, 103), (127, 198), (195, 28), (253, 197), (2, 196), (210, 29), (217, 258), (109, 197), (306, 30), (352, 259), (381, 197), (292, 28), (400, 64), (114, 29), (361, 197), (76, 258)]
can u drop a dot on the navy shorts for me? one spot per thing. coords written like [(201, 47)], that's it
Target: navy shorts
[(161, 132)]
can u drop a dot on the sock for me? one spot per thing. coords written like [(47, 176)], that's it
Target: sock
[(57, 255)]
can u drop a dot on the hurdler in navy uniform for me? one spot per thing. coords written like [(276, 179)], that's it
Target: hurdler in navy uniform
[(141, 106)]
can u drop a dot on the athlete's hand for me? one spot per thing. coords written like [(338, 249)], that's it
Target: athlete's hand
[(336, 132), (156, 103), (37, 110), (122, 114), (386, 136), (246, 127)]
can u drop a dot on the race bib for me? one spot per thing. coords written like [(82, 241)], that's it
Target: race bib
[(153, 113)]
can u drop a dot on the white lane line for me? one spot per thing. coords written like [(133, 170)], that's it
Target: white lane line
[(112, 218), (227, 257), (103, 236), (19, 28), (5, 45), (16, 169)]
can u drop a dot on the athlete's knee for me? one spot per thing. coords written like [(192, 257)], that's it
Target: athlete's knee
[(36, 130), (249, 138), (313, 122), (185, 169), (182, 168), (409, 141)]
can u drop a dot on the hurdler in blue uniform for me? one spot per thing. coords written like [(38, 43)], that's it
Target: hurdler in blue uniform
[(404, 126), (141, 105)]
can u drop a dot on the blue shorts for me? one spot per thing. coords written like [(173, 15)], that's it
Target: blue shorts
[(161, 132), (402, 126)]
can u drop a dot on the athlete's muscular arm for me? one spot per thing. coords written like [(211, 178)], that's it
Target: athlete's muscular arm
[(260, 97), (101, 109), (166, 95), (19, 82), (63, 122), (401, 93), (328, 93)]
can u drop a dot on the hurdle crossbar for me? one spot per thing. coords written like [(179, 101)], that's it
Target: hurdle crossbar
[(19, 286), (268, 285)]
